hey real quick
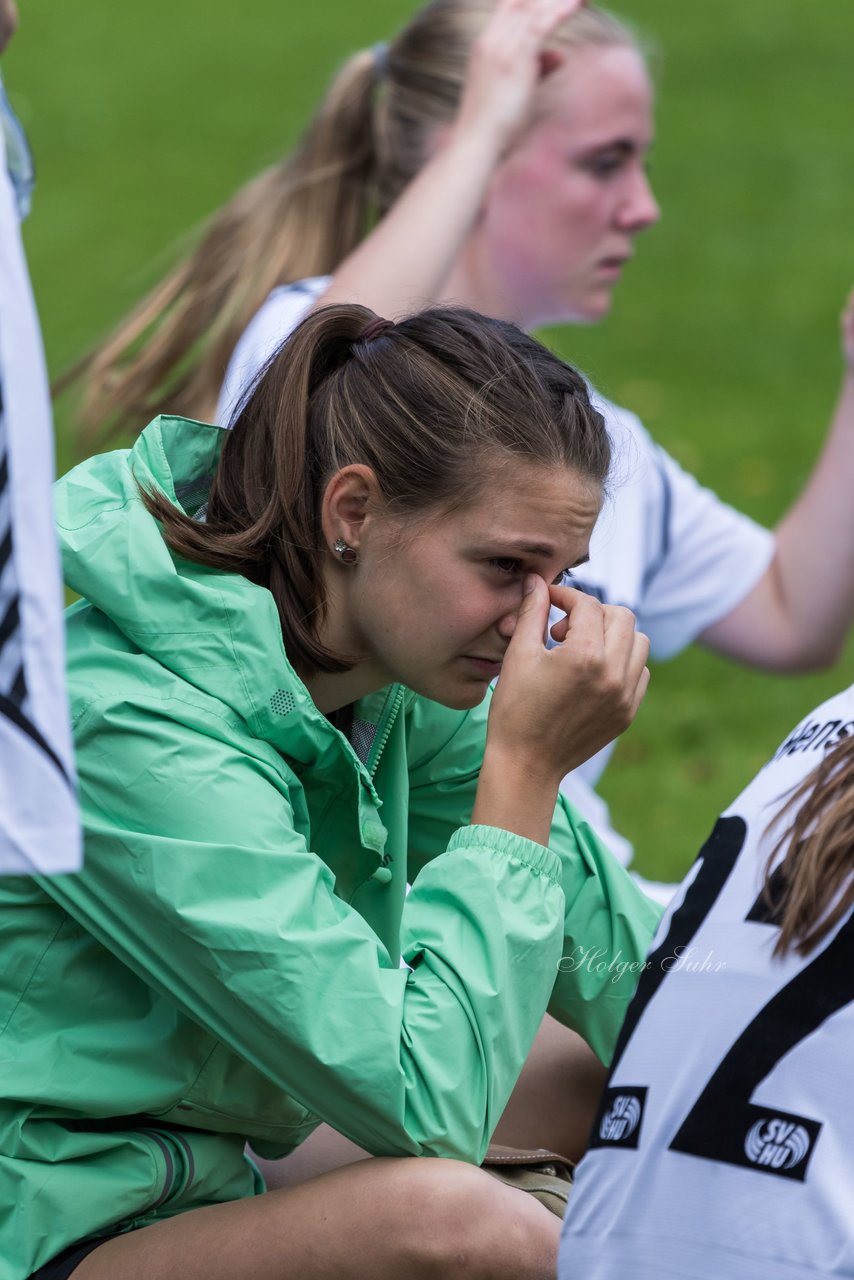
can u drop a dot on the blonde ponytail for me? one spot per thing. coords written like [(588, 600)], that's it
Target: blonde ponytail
[(371, 136), (299, 218)]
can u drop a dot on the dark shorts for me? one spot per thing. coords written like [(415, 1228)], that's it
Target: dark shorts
[(62, 1266)]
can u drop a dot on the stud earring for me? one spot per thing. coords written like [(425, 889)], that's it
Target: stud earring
[(348, 554)]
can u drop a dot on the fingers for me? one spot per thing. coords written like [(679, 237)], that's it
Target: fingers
[(507, 61), (558, 629), (585, 616), (532, 22), (519, 29), (616, 652), (570, 599), (557, 707), (624, 640), (848, 311), (637, 672), (638, 657), (8, 22), (532, 616), (619, 621), (627, 651), (847, 320), (607, 634), (640, 693), (543, 16)]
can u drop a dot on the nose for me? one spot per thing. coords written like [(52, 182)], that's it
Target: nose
[(640, 208), (506, 625)]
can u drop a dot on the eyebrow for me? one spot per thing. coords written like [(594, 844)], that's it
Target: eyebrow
[(536, 549), (625, 146), (532, 549)]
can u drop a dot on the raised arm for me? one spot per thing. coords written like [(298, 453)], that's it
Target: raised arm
[(797, 616), (404, 262), (550, 709)]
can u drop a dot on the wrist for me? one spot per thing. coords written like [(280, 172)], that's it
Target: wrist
[(515, 797), (479, 142)]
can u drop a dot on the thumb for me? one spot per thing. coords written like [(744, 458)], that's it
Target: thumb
[(533, 613)]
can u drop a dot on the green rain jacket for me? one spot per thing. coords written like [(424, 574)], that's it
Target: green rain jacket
[(227, 965)]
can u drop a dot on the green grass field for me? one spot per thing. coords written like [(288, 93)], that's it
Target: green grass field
[(724, 337)]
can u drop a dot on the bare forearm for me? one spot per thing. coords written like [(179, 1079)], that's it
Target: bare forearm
[(514, 798), (815, 542), (798, 614), (404, 262)]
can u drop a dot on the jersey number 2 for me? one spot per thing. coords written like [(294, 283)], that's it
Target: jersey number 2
[(724, 1124)]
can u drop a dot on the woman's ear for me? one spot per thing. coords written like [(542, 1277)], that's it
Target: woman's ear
[(350, 502)]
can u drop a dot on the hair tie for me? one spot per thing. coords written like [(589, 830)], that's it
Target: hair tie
[(375, 329), (380, 54)]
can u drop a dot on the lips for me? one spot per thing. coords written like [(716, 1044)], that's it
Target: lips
[(488, 666), (614, 261)]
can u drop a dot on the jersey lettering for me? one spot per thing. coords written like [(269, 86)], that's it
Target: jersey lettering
[(777, 1142), (815, 734), (621, 1117)]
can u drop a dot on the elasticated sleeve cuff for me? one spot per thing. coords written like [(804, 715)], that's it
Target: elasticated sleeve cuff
[(537, 857)]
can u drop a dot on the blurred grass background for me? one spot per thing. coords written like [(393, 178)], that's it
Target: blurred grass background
[(725, 333)]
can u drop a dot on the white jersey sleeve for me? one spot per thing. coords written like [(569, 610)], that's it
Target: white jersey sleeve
[(265, 333), (39, 827), (666, 547), (724, 1142), (670, 551)]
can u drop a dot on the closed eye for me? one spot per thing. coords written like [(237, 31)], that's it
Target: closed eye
[(506, 566), (605, 164), (606, 161), (509, 567)]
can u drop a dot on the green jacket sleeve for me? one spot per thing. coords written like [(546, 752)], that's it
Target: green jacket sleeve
[(197, 879), (608, 923)]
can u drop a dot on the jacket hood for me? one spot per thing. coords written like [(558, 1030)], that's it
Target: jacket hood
[(214, 629)]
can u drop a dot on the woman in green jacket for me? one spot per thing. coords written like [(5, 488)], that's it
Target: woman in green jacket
[(279, 673)]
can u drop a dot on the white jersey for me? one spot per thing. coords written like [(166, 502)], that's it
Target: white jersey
[(39, 829), (724, 1144), (665, 547)]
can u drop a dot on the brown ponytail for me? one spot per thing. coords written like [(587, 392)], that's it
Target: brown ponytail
[(430, 404), (816, 873)]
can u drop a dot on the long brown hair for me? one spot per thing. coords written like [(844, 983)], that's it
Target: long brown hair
[(370, 136), (817, 872), (434, 405)]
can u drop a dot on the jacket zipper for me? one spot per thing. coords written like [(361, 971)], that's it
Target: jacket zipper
[(379, 745)]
